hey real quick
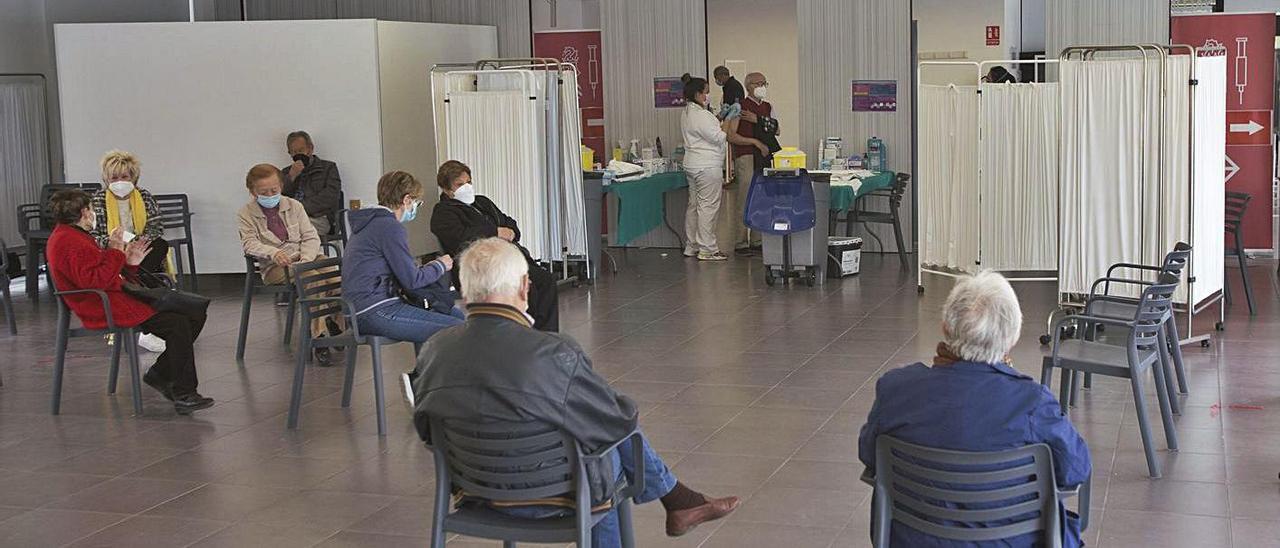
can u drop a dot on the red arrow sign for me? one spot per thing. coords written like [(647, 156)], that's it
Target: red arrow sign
[(1248, 127)]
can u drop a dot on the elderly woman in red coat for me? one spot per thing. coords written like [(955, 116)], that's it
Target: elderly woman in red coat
[(76, 262)]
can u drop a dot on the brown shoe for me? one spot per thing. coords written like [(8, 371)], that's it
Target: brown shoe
[(680, 522)]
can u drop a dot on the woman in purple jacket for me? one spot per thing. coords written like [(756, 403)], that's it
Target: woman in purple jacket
[(377, 265)]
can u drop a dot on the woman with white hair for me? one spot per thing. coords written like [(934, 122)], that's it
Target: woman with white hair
[(123, 204), (971, 399)]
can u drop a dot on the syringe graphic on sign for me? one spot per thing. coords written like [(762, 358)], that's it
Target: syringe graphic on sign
[(1242, 66), (593, 69)]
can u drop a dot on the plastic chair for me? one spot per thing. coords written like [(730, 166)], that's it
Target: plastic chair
[(5, 297), (495, 461), (1146, 348), (253, 285), (927, 489), (124, 336), (1122, 307), (312, 280), (336, 240), (35, 234), (175, 210), (890, 216), (1237, 204)]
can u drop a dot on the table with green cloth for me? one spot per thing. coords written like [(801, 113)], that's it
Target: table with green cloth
[(642, 205), (843, 197)]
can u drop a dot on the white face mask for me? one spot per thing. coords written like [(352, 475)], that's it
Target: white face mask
[(761, 92), (465, 194), (121, 188)]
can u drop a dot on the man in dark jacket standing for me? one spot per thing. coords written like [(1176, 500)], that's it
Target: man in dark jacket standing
[(312, 181), (733, 92), (462, 217), (495, 367)]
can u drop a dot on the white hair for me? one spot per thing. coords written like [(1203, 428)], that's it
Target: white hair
[(981, 318), (491, 267)]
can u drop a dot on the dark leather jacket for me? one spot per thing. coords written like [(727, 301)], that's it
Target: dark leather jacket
[(320, 187), (496, 367)]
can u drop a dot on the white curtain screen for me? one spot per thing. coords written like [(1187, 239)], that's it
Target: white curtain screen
[(1107, 150), (1019, 179), (948, 182), (1209, 135), (24, 153)]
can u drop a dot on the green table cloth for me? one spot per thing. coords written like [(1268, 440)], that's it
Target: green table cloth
[(843, 197), (641, 206)]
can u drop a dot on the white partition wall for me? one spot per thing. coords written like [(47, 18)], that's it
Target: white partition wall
[(200, 103)]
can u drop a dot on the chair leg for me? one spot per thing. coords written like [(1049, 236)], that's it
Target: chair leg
[(1046, 371), (1244, 271), (245, 305), (1166, 408), (349, 379), (508, 544), (288, 321), (379, 396), (1175, 350), (1076, 377), (1144, 426), (625, 526), (1165, 365), (897, 236), (59, 358), (1064, 389), (191, 262), (1088, 381), (8, 309), (135, 370), (113, 376), (299, 369)]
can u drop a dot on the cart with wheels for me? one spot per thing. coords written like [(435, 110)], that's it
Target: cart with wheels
[(782, 205)]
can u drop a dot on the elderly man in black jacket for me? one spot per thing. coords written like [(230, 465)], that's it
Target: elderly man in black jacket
[(495, 367), (462, 217), (312, 181)]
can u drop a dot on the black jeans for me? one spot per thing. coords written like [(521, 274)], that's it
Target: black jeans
[(544, 298), (177, 364)]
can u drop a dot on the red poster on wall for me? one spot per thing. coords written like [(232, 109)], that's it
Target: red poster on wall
[(582, 48), (1249, 41)]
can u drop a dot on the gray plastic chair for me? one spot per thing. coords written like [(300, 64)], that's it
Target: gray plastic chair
[(311, 281), (1146, 348), (175, 212), (1122, 307), (928, 490), (126, 337), (1237, 204), (253, 285), (5, 297), (476, 459)]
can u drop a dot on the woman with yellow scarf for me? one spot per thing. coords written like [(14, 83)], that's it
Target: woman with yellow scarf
[(123, 204)]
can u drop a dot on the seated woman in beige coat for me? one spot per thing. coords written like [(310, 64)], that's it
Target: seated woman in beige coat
[(276, 230)]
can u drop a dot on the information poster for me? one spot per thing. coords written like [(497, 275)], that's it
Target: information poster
[(668, 92), (875, 95), (1248, 41)]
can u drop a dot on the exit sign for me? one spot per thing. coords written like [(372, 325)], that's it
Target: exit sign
[(993, 35)]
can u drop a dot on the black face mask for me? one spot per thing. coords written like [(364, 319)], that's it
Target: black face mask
[(302, 158)]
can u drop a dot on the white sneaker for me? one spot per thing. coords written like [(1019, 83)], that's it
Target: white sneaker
[(406, 388), (151, 343)]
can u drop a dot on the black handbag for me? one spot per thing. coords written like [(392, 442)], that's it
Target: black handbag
[(166, 298)]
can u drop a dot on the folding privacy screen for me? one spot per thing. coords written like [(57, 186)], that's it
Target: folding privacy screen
[(516, 124)]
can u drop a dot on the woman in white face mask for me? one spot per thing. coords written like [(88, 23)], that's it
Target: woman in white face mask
[(462, 217), (122, 204)]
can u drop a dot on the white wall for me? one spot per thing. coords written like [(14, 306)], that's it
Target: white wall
[(1251, 5), (206, 101), (960, 26), (735, 29), (1033, 25), (570, 14), (405, 52)]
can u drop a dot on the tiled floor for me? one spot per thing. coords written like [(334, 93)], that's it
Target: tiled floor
[(745, 389)]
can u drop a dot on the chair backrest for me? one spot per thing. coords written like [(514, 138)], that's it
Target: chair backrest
[(318, 278), (899, 188), (942, 493), (1237, 203), (47, 191), (1154, 308), (175, 212), (30, 217), (1176, 260), (504, 461), (4, 260)]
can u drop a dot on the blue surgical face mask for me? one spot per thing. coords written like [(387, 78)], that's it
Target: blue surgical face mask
[(411, 213), (269, 202)]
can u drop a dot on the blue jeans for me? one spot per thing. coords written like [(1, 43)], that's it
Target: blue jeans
[(658, 481), (405, 322)]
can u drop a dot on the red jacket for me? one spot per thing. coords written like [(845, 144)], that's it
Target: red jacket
[(76, 262)]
